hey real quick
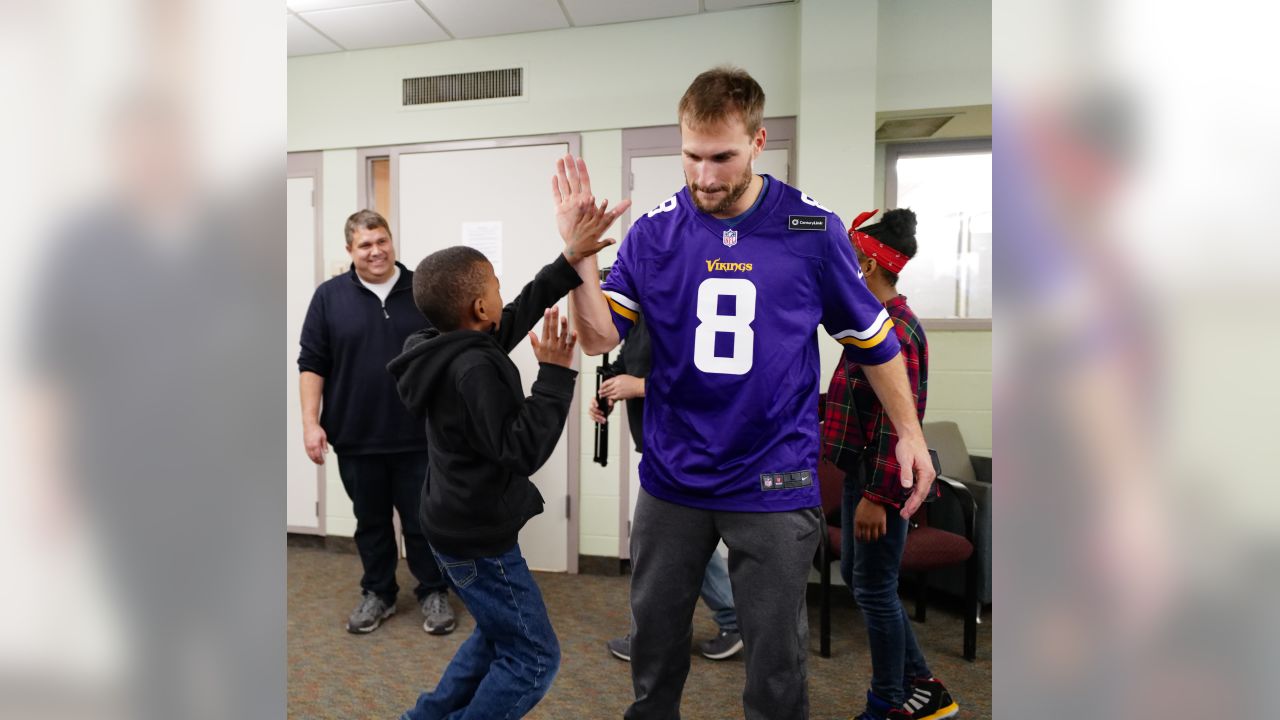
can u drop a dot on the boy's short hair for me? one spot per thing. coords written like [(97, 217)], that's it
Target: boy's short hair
[(364, 219), (446, 282), (718, 94)]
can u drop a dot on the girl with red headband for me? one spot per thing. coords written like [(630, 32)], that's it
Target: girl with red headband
[(858, 437)]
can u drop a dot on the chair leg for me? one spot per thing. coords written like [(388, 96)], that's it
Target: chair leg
[(922, 593), (824, 574), (971, 608)]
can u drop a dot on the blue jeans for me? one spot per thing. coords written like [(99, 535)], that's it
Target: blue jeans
[(718, 594), (871, 569), (508, 663)]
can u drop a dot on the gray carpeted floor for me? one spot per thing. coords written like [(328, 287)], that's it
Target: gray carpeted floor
[(334, 674)]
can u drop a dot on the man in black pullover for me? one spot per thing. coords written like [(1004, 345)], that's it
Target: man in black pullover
[(486, 440), (357, 322)]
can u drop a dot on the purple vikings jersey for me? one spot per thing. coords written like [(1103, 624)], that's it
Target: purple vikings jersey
[(731, 411)]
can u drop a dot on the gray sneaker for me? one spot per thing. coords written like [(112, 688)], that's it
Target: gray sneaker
[(440, 618), (620, 647), (723, 646), (369, 614)]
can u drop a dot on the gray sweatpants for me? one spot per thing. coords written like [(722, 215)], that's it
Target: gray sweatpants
[(769, 558)]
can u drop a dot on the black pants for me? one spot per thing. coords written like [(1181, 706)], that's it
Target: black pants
[(769, 558), (376, 484)]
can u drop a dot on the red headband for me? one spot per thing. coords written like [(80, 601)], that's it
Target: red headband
[(889, 259)]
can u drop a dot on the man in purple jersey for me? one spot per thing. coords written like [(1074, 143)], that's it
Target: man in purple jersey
[(734, 274)]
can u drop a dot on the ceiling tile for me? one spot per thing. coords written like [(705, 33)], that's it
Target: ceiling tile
[(733, 4), (601, 12), (480, 18), (301, 6), (372, 26), (303, 40)]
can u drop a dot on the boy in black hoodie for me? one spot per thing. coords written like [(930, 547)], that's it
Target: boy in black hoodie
[(486, 440)]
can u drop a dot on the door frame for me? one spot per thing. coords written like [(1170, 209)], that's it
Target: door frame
[(364, 189), (893, 151), (302, 165)]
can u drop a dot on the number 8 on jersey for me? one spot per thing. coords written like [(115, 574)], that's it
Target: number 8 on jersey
[(738, 324)]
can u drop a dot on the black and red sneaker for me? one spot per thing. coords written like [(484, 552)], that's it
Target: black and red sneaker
[(929, 700)]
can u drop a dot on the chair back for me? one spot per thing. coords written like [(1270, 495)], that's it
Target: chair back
[(945, 438), (921, 516), (831, 485)]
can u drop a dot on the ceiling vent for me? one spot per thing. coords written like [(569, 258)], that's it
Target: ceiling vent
[(911, 128), (458, 87)]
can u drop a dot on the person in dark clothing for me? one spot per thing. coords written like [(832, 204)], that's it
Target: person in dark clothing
[(486, 440), (626, 382), (358, 321)]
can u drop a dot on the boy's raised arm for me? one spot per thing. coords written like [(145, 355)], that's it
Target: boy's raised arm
[(544, 290)]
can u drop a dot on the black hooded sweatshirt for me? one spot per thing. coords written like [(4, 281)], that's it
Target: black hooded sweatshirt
[(486, 438)]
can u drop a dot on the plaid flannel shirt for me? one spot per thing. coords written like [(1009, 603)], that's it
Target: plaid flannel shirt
[(855, 423)]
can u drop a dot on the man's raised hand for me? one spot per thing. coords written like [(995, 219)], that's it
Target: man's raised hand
[(580, 221)]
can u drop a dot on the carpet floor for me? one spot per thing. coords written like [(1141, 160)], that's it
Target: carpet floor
[(334, 674)]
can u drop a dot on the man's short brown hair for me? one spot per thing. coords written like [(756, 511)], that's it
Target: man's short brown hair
[(367, 219), (717, 94)]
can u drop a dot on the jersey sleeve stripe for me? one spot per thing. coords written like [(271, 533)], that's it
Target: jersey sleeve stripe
[(876, 328), (874, 341), (623, 300), (619, 309)]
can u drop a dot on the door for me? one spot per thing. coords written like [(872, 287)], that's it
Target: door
[(498, 200), (304, 479)]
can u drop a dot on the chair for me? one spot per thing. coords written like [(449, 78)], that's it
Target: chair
[(975, 472), (930, 546)]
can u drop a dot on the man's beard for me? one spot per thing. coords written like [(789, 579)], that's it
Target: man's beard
[(735, 191)]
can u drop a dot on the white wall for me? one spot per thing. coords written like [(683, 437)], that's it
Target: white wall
[(933, 53), (591, 78), (598, 80), (837, 106)]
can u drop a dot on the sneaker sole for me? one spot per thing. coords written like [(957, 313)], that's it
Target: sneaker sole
[(620, 656), (376, 624), (946, 712), (442, 630), (733, 650)]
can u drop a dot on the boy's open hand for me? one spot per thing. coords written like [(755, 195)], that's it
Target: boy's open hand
[(584, 240), (580, 221), (557, 344)]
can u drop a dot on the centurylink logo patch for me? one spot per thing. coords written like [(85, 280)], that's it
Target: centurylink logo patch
[(807, 222)]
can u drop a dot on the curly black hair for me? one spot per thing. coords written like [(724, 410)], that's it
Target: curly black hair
[(446, 282), (897, 229)]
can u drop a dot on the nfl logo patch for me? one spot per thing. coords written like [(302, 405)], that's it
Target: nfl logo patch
[(730, 238)]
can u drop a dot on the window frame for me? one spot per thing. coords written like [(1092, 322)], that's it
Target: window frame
[(896, 150)]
